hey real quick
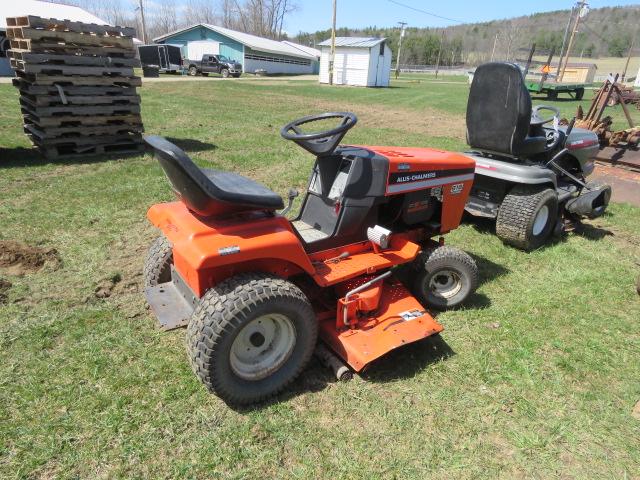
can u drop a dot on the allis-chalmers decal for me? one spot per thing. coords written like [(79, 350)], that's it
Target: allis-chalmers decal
[(404, 181)]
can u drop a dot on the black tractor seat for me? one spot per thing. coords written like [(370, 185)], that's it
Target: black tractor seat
[(210, 192), (499, 113)]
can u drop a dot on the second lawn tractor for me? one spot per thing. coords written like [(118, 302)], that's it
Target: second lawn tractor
[(358, 267), (530, 171)]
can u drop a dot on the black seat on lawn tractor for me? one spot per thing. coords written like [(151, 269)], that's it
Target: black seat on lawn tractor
[(499, 112), (210, 192)]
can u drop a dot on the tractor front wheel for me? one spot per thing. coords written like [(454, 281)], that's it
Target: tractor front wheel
[(527, 216), (157, 266), (250, 336), (446, 278)]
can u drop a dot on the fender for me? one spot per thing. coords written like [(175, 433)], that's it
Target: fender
[(208, 250), (531, 174)]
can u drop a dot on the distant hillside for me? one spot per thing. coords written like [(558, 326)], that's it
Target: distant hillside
[(604, 32)]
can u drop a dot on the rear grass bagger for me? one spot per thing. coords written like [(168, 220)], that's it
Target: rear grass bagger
[(257, 290)]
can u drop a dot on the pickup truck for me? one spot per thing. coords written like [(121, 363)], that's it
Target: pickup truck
[(215, 64)]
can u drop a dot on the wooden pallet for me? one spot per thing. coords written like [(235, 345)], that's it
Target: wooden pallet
[(82, 141), (78, 80), (126, 148), (85, 110), (63, 133), (57, 100), (86, 70), (27, 88), (70, 49), (52, 59), (71, 120), (36, 36), (68, 25)]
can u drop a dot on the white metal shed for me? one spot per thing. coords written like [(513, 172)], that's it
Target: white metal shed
[(360, 61)]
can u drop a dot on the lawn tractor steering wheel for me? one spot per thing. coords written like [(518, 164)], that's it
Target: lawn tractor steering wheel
[(537, 120), (554, 137), (322, 142)]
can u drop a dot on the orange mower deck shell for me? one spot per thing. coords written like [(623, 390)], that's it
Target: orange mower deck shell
[(383, 330)]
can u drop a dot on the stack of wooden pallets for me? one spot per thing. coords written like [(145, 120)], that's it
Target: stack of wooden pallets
[(77, 85)]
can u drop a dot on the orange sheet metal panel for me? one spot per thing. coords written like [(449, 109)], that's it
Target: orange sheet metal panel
[(202, 246), (401, 251), (386, 331), (412, 169)]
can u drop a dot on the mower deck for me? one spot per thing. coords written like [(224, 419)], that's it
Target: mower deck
[(399, 320)]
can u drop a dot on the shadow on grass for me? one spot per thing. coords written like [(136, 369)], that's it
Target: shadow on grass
[(20, 157), (591, 232), (191, 145), (405, 362)]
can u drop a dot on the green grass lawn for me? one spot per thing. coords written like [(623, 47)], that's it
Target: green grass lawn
[(536, 378)]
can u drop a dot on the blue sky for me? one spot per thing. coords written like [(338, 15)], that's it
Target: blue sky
[(315, 15)]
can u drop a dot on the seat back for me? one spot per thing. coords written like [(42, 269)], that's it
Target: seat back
[(188, 181), (498, 109)]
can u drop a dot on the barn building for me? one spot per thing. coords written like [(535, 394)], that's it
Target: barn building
[(23, 8), (254, 53), (359, 61)]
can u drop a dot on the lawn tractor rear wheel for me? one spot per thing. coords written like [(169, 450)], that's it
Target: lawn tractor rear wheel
[(527, 216), (250, 336), (157, 266), (446, 278)]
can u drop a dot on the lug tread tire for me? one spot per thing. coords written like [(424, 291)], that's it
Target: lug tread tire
[(517, 213), (435, 258), (223, 310), (157, 265)]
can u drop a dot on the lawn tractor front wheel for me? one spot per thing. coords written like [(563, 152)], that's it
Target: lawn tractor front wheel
[(157, 266), (250, 336), (527, 216), (446, 278)]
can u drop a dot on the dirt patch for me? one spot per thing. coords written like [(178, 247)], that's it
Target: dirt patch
[(18, 258), (635, 413), (5, 285)]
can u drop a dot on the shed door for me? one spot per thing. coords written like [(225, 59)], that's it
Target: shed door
[(380, 67), (164, 63)]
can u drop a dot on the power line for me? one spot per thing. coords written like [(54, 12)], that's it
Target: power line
[(425, 12)]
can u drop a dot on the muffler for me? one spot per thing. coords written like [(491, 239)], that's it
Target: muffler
[(590, 203)]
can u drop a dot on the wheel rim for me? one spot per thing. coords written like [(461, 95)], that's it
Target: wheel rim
[(262, 346), (445, 283), (542, 217)]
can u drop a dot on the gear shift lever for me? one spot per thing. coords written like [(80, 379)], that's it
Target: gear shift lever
[(293, 193)]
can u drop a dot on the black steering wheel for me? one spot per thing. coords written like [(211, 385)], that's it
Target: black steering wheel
[(323, 142), (537, 120)]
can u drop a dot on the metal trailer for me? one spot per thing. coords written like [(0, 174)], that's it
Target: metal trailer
[(552, 90), (168, 58)]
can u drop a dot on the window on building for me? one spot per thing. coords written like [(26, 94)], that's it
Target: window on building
[(382, 48)]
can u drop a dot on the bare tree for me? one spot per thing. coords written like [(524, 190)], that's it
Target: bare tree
[(199, 11)]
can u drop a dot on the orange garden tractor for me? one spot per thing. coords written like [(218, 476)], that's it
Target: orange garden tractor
[(257, 290)]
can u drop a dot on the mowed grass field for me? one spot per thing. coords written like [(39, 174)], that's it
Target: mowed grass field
[(536, 378)]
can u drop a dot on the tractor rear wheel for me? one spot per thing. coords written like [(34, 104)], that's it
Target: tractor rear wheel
[(446, 278), (527, 216), (250, 336), (157, 266)]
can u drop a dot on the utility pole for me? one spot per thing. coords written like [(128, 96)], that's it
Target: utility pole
[(495, 42), (332, 56), (402, 25), (626, 65), (144, 26), (439, 53), (564, 42), (580, 9)]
